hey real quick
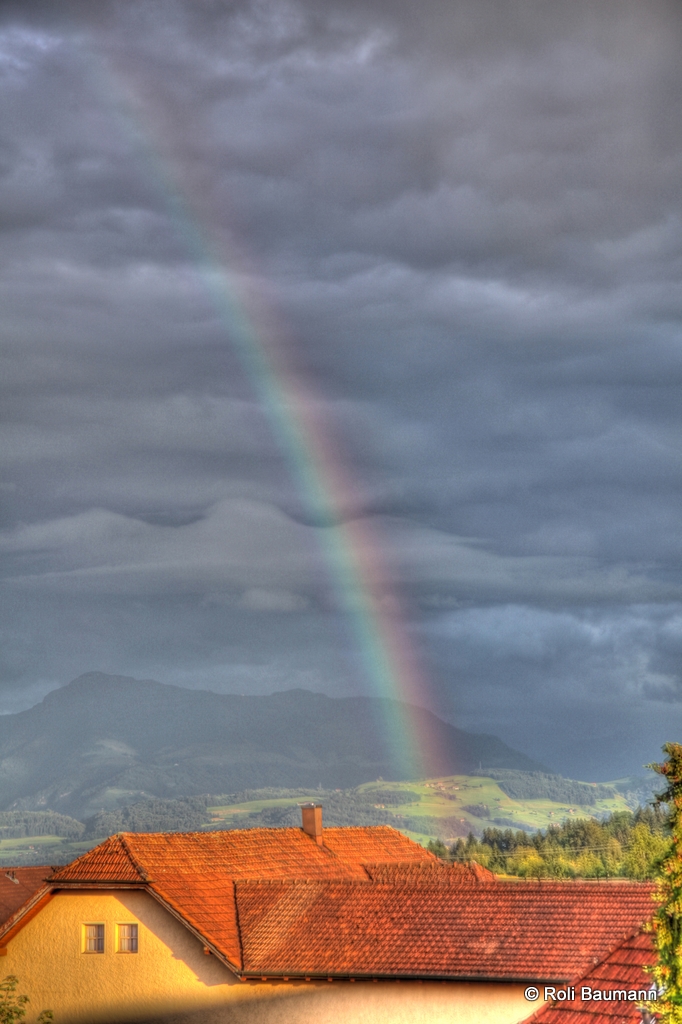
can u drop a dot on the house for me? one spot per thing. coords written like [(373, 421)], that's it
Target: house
[(342, 924)]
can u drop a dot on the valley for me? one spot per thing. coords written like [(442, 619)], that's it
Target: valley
[(442, 808)]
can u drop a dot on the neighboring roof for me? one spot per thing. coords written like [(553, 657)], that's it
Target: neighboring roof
[(623, 968), (480, 930), (17, 885), (258, 853), (362, 845), (436, 871)]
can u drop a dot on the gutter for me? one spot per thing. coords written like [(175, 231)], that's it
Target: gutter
[(297, 975)]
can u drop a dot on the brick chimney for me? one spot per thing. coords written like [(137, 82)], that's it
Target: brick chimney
[(312, 821)]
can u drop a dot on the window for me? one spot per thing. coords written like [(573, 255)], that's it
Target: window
[(127, 938), (93, 938)]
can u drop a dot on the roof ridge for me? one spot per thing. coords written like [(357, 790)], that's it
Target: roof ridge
[(237, 922), (121, 836), (324, 880), (345, 880), (112, 843)]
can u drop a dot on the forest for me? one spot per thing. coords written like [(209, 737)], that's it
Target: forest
[(624, 844), (542, 786)]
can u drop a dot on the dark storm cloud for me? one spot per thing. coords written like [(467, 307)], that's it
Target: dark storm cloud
[(466, 223), (580, 687)]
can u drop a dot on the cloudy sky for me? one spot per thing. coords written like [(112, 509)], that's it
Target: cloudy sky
[(456, 227)]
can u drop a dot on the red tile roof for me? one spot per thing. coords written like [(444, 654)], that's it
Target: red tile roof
[(17, 885), (485, 930), (194, 873), (356, 846), (207, 904), (109, 862), (621, 969), (368, 902), (436, 871), (257, 853)]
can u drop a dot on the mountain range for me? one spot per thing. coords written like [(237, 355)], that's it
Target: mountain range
[(102, 741)]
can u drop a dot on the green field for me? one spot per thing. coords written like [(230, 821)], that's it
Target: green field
[(446, 798), (434, 808), (41, 850)]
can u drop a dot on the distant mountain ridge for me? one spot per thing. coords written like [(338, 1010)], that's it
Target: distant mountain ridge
[(102, 740)]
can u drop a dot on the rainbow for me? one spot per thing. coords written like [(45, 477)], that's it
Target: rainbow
[(351, 547)]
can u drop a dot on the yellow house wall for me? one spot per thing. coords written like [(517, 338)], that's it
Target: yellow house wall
[(171, 979), (169, 973), (383, 1002)]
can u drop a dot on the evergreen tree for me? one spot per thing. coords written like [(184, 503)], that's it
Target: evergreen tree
[(667, 923)]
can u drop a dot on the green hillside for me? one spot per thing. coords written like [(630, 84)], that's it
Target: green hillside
[(104, 741), (442, 808)]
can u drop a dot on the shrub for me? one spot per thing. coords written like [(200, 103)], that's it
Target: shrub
[(667, 923), (13, 1006)]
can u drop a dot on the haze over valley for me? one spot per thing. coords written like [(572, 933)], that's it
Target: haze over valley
[(103, 741)]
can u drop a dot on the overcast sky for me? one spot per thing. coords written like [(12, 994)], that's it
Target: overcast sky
[(460, 224)]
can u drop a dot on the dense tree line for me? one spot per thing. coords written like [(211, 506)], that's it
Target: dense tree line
[(624, 844), (353, 807), (540, 786), (368, 798), (245, 796), (186, 815), (20, 824)]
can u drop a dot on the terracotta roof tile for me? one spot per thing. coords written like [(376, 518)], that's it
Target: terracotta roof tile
[(194, 872), (622, 968), (380, 843), (17, 885), (522, 930), (253, 853), (108, 862), (208, 905), (367, 902), (436, 871)]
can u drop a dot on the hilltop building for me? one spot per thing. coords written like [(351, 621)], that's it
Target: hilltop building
[(337, 925)]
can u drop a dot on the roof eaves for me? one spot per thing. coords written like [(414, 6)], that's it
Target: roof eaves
[(521, 979), (94, 883), (26, 911)]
